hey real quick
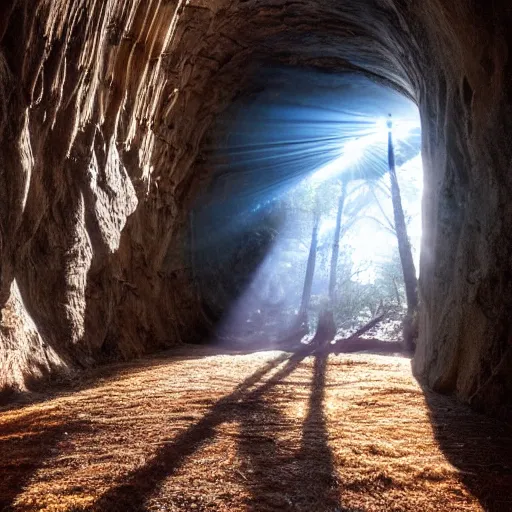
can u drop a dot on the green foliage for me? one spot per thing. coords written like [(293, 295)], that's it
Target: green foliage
[(265, 263), (363, 287)]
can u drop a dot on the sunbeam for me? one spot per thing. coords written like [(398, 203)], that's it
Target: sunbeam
[(294, 139)]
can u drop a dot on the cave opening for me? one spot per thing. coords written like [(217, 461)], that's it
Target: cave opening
[(264, 230)]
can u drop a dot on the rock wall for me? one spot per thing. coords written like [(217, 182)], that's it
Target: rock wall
[(103, 106), (465, 342)]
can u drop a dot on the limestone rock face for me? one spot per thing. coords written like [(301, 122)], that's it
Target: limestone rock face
[(103, 107)]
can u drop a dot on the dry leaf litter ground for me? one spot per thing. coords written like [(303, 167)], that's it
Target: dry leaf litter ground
[(200, 430)]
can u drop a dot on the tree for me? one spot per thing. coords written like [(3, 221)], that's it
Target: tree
[(336, 240), (326, 328), (310, 269), (404, 247)]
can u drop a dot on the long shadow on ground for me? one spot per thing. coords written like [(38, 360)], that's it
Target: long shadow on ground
[(90, 378), (278, 476), (138, 486), (478, 446), (315, 455), (26, 443)]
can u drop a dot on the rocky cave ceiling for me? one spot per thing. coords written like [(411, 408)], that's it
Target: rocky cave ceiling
[(103, 108)]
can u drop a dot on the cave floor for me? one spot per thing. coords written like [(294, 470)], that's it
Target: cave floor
[(201, 430)]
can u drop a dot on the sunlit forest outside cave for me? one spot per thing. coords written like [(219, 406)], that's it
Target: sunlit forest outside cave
[(286, 157)]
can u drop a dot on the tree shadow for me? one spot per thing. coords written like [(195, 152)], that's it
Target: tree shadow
[(315, 455), (132, 493), (92, 377), (480, 447), (278, 476), (26, 442), (266, 457)]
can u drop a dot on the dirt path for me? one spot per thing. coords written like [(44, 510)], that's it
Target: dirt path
[(268, 431)]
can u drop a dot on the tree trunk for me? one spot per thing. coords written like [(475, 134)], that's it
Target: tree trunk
[(336, 242), (326, 329), (404, 248), (310, 271)]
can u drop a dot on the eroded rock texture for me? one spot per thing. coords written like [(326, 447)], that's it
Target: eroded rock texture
[(103, 106)]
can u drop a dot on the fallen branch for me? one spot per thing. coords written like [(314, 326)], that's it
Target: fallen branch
[(355, 343), (373, 345), (367, 327)]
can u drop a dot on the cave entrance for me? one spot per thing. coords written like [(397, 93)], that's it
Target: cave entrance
[(301, 168)]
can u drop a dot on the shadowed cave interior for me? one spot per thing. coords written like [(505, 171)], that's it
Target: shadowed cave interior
[(229, 281)]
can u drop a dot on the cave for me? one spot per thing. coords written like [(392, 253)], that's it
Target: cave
[(106, 113)]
